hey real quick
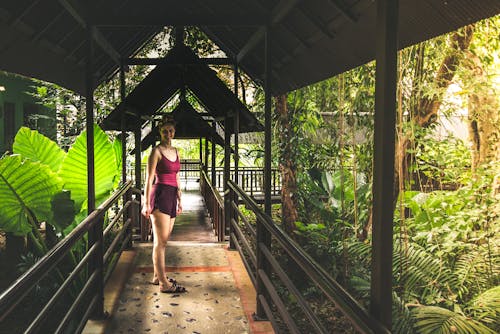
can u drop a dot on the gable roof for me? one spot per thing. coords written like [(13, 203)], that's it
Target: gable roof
[(171, 76), (311, 40)]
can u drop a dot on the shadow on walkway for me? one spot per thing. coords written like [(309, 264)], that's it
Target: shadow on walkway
[(220, 297)]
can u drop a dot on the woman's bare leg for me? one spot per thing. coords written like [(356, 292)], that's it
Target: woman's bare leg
[(162, 227)]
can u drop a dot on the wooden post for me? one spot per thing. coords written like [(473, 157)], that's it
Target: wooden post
[(126, 196), (263, 235), (227, 176), (95, 234), (213, 178), (383, 175)]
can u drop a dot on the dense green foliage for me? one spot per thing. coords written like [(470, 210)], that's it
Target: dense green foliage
[(447, 220)]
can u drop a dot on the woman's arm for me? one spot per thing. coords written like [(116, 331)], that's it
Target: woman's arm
[(150, 173)]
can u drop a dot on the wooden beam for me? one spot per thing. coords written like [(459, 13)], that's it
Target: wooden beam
[(344, 10), (17, 19), (77, 13), (156, 61), (179, 20), (316, 21), (277, 15), (47, 26)]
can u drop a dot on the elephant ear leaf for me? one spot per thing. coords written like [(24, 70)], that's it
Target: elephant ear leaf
[(64, 210), (74, 167), (26, 188), (117, 147), (36, 147)]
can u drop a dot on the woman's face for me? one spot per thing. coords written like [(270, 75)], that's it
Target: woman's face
[(167, 132)]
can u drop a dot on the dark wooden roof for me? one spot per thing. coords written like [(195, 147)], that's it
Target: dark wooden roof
[(170, 77), (311, 40), (189, 125)]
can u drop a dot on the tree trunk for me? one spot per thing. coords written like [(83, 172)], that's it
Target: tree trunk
[(428, 106), (484, 117), (288, 167)]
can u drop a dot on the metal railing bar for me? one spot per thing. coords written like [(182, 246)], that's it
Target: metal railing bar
[(42, 314), (244, 259), (77, 302), (113, 265), (337, 294), (119, 214), (245, 220), (278, 302), (245, 242), (86, 315), (267, 310), (293, 289), (123, 230)]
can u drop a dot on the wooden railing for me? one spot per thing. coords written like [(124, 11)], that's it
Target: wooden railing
[(215, 206), (254, 245), (80, 283), (251, 180)]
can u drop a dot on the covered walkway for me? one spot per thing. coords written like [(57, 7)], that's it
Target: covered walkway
[(220, 297)]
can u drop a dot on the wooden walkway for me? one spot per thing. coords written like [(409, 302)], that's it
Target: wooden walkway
[(220, 297)]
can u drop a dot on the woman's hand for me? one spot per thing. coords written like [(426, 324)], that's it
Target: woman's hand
[(146, 210), (179, 208)]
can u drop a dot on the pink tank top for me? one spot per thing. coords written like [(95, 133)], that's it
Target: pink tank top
[(166, 171)]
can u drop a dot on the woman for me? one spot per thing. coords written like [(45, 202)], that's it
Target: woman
[(163, 200)]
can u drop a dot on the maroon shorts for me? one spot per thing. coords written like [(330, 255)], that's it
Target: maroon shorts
[(164, 198)]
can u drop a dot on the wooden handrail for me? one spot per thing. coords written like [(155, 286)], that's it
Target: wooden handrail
[(18, 290), (360, 318)]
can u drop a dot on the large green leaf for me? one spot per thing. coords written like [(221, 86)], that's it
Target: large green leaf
[(25, 187), (438, 320), (36, 147), (74, 167), (117, 147)]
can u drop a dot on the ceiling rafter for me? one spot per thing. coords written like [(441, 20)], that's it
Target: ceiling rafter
[(156, 61), (278, 13), (343, 9), (316, 21), (76, 12), (17, 19), (136, 37), (48, 25)]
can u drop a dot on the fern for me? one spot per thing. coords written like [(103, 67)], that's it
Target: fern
[(438, 320), (415, 270), (486, 307), (474, 271)]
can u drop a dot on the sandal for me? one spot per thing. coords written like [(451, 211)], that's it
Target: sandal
[(156, 281), (174, 288)]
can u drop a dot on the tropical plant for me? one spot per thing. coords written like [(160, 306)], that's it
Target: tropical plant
[(41, 183), (438, 320)]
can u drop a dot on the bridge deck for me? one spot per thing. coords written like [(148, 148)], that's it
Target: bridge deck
[(220, 297)]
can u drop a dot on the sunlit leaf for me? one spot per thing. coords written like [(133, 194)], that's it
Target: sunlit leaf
[(25, 187), (36, 147), (74, 167)]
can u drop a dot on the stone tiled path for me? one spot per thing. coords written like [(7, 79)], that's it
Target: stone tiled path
[(220, 297)]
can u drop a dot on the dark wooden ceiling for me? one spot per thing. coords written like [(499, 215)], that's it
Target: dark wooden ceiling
[(311, 40)]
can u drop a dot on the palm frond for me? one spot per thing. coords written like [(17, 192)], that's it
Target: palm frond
[(474, 270), (486, 307), (438, 320)]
